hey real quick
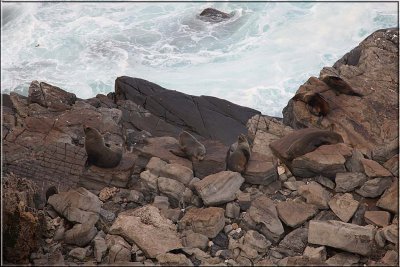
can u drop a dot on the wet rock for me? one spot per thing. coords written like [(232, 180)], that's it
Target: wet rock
[(326, 160), (375, 187), (343, 259), (232, 210), (214, 15), (378, 218), (169, 259), (194, 240), (390, 199), (260, 170), (219, 188), (325, 181), (78, 253), (208, 221), (318, 253), (345, 236), (344, 206), (177, 172), (263, 217), (213, 162), (315, 195), (78, 206), (295, 241), (294, 213), (373, 169), (348, 181), (152, 233)]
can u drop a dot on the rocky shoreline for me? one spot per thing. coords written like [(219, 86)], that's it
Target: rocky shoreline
[(329, 203)]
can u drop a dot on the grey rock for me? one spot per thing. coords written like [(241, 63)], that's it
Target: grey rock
[(348, 181), (161, 202), (353, 164), (100, 248), (244, 200), (232, 210), (293, 185), (263, 217), (358, 217), (219, 188), (78, 253), (296, 240), (119, 249), (80, 234), (155, 165), (135, 196), (194, 240), (260, 170), (375, 187), (315, 194), (345, 236), (171, 188), (325, 181), (393, 165), (149, 180), (255, 245), (177, 172)]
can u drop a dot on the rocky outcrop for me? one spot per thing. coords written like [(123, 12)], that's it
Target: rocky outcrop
[(368, 122)]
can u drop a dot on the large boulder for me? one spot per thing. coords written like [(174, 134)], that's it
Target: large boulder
[(368, 122)]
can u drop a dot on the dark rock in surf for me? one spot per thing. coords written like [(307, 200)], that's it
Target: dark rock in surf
[(214, 15)]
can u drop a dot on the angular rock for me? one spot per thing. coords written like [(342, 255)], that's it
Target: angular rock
[(348, 181), (78, 206), (326, 160), (194, 240), (119, 249), (390, 199), (171, 188), (254, 245), (100, 248), (155, 165), (344, 206), (345, 236), (260, 170), (263, 217), (373, 169), (391, 258), (219, 188), (393, 165), (375, 187), (177, 172), (232, 210), (353, 164), (293, 185), (169, 259), (343, 259), (295, 241), (213, 162), (149, 180), (325, 181), (315, 195), (358, 217), (318, 253), (244, 200), (377, 217), (294, 213), (152, 233), (208, 221), (80, 234), (78, 253), (161, 202), (391, 233), (301, 142)]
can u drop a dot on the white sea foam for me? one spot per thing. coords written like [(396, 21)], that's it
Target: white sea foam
[(258, 58)]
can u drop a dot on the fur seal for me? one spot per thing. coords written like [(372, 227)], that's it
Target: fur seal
[(52, 190), (99, 154), (316, 103), (339, 85), (238, 155), (190, 147)]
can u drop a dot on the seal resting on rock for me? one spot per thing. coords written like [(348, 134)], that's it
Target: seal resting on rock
[(339, 86), (98, 153), (52, 190), (316, 103), (190, 147), (238, 155)]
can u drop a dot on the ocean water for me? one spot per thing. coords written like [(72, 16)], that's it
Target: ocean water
[(258, 58)]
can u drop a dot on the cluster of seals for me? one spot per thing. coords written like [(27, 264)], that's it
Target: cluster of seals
[(339, 86), (190, 147), (238, 155), (98, 153)]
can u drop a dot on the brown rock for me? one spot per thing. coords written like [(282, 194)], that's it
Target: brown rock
[(373, 169), (294, 213), (260, 170), (377, 217), (348, 181), (390, 199), (315, 194), (344, 206), (343, 259), (393, 165), (208, 221), (375, 187), (213, 162)]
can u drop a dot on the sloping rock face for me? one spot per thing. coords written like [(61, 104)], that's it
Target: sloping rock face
[(204, 116), (368, 122)]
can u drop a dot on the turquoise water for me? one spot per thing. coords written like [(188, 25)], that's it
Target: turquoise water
[(258, 58)]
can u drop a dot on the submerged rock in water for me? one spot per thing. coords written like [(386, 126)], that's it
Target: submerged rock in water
[(214, 15)]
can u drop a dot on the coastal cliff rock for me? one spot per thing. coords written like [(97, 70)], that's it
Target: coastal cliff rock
[(317, 196), (369, 122)]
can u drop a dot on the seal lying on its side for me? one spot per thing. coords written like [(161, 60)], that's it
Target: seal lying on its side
[(98, 153), (316, 103), (238, 155), (190, 147), (339, 86)]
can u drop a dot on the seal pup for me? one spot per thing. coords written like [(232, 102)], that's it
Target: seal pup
[(238, 155), (339, 86), (190, 147), (99, 154)]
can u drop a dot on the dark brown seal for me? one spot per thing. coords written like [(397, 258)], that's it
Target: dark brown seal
[(52, 190), (303, 141), (339, 86), (238, 155), (190, 147), (316, 103), (98, 153)]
